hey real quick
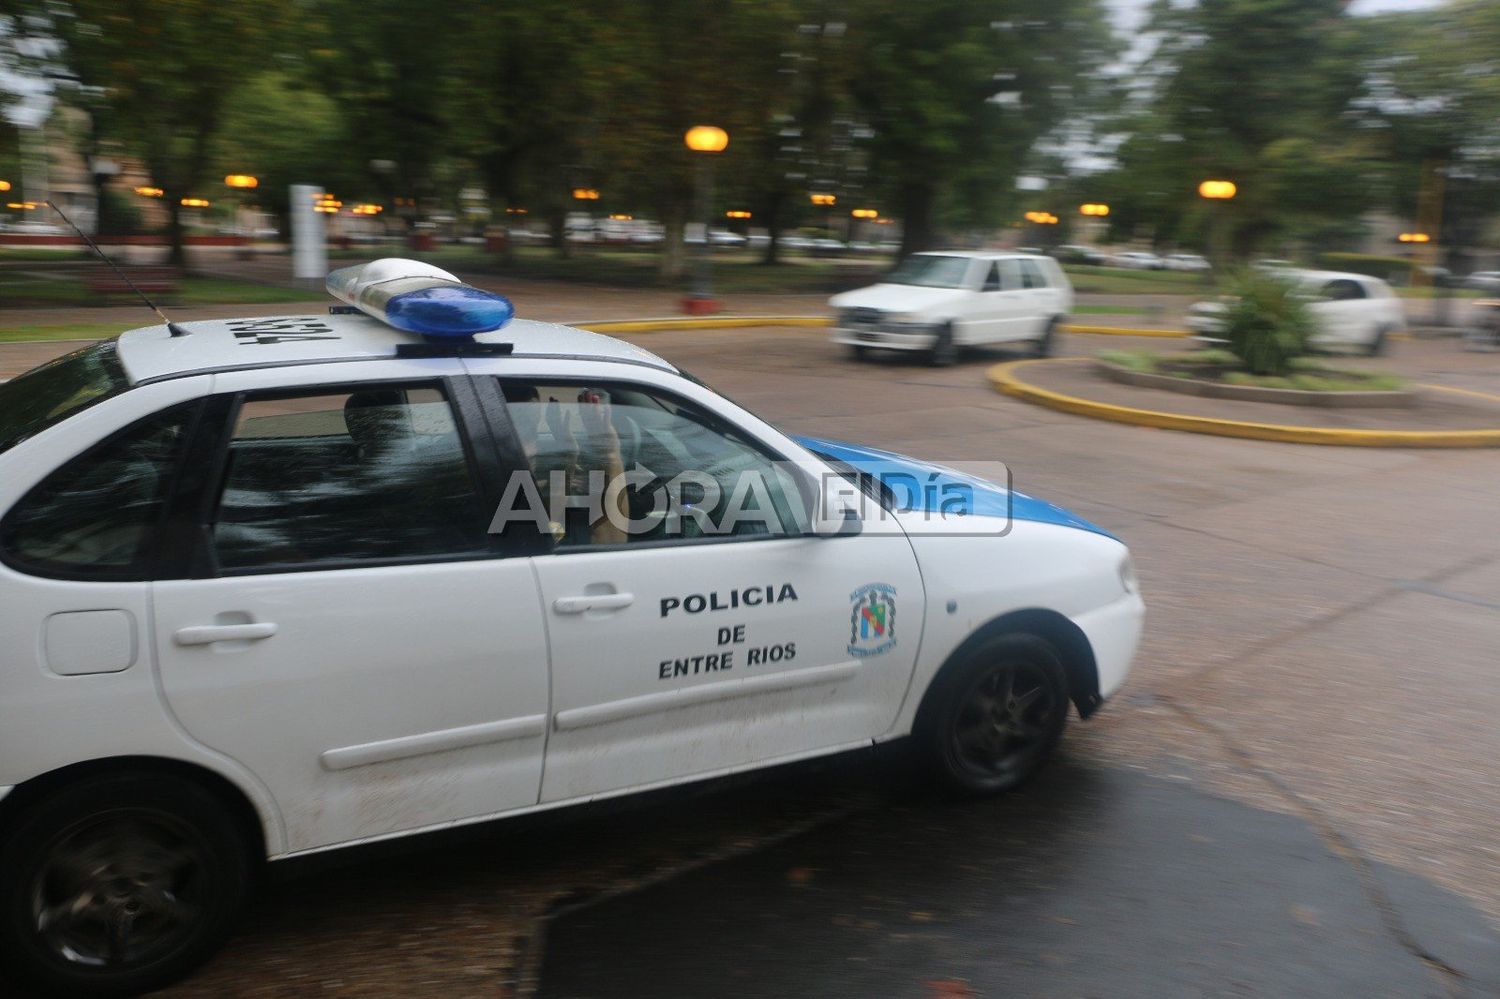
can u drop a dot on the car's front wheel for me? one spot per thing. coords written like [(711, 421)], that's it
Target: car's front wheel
[(1377, 345), (944, 351), (993, 717), (119, 884)]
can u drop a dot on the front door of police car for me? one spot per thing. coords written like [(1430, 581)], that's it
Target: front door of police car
[(707, 639), (357, 646)]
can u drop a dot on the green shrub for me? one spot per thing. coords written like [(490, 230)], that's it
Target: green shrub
[(1131, 360), (1267, 323)]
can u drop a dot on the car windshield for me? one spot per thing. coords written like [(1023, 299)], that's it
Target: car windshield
[(931, 271), (55, 391)]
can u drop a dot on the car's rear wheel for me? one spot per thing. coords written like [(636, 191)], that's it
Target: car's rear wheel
[(858, 353), (1045, 344), (995, 716), (944, 351), (1377, 346), (119, 884)]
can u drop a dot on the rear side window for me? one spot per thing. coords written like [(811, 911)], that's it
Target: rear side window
[(57, 390), (339, 476), (1031, 275), (98, 516)]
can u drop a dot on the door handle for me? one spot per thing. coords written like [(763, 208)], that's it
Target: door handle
[(209, 634), (602, 602)]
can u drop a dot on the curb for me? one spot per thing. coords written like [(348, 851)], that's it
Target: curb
[(697, 323), (740, 322), (1002, 378)]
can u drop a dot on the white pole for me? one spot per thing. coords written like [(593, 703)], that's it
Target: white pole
[(309, 243)]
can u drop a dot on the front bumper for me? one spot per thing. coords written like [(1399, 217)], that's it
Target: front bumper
[(908, 338), (1114, 632)]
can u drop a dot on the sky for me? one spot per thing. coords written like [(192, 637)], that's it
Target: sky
[(1129, 13)]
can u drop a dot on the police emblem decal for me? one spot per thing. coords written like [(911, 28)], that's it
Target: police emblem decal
[(872, 619)]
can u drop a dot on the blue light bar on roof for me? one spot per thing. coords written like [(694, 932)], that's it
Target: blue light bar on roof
[(419, 298)]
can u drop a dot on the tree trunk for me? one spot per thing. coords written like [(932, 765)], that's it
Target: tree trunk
[(557, 221), (176, 245), (916, 218), (773, 229), (673, 262)]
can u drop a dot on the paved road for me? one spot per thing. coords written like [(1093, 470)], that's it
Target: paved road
[(1316, 697)]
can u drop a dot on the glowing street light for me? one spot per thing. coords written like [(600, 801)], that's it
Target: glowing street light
[(865, 213), (194, 202), (737, 214), (585, 194), (1414, 237), (1095, 210), (706, 139), (4, 185), (823, 199), (242, 180), (1041, 218), (150, 192), (1217, 190)]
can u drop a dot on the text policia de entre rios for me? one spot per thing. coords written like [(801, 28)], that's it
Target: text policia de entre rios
[(731, 640)]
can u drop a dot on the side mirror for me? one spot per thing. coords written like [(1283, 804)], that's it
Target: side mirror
[(838, 508)]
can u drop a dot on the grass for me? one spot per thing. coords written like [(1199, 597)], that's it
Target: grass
[(30, 291), (734, 270), (48, 254), (1307, 374), (1112, 310), (1090, 279), (70, 331)]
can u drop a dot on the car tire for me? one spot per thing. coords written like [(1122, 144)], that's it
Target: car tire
[(944, 351), (858, 353), (993, 717), (1044, 345), (120, 883), (1377, 346)]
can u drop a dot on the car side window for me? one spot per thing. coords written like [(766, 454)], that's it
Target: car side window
[(616, 464), (353, 475), (992, 278), (97, 516), (1342, 291), (1010, 274), (1031, 275)]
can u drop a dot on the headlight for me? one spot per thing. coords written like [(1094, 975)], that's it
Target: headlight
[(1128, 577)]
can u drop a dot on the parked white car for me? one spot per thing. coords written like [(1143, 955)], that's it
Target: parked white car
[(1138, 260), (1352, 311), (939, 303), (1191, 262), (269, 587)]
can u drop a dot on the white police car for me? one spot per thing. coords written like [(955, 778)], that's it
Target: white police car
[(275, 586)]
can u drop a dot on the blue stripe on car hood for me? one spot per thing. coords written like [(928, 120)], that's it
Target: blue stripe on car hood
[(922, 485)]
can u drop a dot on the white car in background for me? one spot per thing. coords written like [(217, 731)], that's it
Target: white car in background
[(939, 303), (1191, 262), (1352, 311), (1138, 260)]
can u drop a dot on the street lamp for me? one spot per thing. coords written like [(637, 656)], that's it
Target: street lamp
[(4, 186), (707, 141), (1095, 210), (242, 180), (1217, 190)]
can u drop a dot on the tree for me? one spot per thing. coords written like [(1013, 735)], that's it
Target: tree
[(1254, 91), (157, 75), (956, 98)]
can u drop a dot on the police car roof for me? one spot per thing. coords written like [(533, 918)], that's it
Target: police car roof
[(152, 353)]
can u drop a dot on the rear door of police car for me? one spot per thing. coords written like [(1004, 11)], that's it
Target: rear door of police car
[(697, 637)]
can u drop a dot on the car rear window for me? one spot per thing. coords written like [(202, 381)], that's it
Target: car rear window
[(47, 395)]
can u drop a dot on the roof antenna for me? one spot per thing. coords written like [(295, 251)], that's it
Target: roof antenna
[(172, 327)]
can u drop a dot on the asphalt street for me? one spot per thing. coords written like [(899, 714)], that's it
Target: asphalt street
[(1295, 793)]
